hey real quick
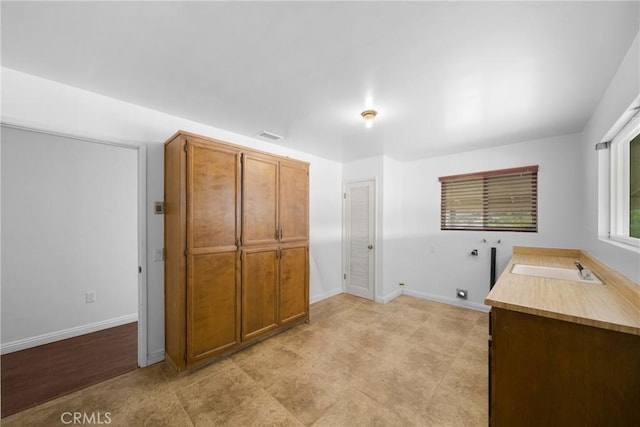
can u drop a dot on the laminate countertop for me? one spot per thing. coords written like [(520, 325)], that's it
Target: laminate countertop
[(613, 305)]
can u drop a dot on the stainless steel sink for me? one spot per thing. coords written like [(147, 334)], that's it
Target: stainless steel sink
[(571, 274)]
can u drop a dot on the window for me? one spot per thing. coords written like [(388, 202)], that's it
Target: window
[(500, 200), (625, 184)]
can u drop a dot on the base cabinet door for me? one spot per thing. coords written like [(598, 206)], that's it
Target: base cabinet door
[(550, 372), (213, 314), (259, 292), (294, 276)]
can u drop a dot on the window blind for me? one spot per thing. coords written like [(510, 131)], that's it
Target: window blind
[(499, 200)]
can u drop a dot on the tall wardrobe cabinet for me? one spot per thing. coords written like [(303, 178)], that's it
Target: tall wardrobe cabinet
[(236, 247)]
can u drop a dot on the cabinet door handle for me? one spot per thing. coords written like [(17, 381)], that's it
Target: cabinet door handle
[(281, 234)]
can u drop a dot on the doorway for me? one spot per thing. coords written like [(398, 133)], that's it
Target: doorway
[(73, 234), (359, 239)]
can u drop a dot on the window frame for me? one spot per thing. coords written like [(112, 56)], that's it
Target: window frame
[(619, 183), (488, 178)]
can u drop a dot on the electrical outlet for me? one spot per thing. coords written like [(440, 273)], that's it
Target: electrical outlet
[(158, 208), (90, 296)]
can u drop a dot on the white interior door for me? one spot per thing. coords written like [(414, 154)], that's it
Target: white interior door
[(359, 239)]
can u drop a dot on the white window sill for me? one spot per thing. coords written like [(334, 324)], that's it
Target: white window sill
[(620, 243)]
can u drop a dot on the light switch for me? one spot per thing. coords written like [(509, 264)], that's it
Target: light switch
[(158, 255), (90, 296)]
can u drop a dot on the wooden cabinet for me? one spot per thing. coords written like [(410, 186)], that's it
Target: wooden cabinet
[(232, 273), (549, 372)]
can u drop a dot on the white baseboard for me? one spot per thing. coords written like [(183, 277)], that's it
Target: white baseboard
[(155, 357), (446, 300), (316, 298), (386, 298), (50, 337)]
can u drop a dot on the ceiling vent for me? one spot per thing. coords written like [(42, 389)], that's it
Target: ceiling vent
[(268, 135)]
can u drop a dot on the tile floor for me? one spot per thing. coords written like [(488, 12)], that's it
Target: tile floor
[(357, 363)]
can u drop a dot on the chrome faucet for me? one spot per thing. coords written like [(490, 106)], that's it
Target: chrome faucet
[(585, 273)]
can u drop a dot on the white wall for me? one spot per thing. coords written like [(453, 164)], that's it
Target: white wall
[(393, 228), (325, 230), (623, 89), (437, 262), (70, 225), (42, 104)]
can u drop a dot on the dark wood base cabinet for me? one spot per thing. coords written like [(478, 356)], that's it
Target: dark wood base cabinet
[(548, 372), (236, 247)]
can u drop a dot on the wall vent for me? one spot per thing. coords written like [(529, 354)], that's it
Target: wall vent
[(268, 135)]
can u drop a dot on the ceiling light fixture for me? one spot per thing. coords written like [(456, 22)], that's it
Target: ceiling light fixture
[(368, 116)]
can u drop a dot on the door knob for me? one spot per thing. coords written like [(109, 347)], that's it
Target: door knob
[(370, 246)]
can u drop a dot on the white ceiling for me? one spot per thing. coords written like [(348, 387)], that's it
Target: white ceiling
[(445, 76)]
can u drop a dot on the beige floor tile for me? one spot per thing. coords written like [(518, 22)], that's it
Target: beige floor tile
[(359, 314), (309, 341), (412, 315), (461, 313), (467, 380), (474, 350), (398, 390), (265, 367), (414, 358), (218, 395), (432, 337), (344, 359), (186, 378), (446, 410), (154, 410), (331, 306), (355, 409), (263, 410), (308, 393), (483, 320)]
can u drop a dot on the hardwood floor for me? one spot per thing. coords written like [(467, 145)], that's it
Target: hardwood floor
[(39, 374), (409, 362)]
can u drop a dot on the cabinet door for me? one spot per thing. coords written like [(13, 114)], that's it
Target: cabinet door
[(213, 197), (259, 200), (212, 224), (294, 201), (213, 312), (294, 289), (259, 291)]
